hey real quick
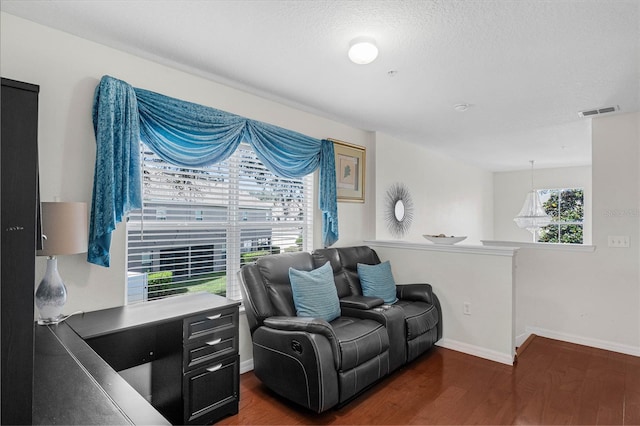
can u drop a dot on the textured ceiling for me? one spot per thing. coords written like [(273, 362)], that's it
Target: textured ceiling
[(526, 67)]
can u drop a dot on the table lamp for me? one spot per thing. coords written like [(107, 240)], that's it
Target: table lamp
[(64, 230)]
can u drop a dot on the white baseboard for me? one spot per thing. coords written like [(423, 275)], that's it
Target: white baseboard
[(246, 366), (580, 340), (520, 339), (490, 354)]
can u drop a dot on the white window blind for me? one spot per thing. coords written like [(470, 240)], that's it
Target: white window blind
[(198, 226)]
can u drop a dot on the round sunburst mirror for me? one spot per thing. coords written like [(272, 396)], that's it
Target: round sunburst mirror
[(398, 209)]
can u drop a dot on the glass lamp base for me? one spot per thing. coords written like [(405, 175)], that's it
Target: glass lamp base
[(51, 295), (51, 321)]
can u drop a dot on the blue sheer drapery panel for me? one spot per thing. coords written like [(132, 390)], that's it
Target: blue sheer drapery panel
[(191, 135), (116, 181)]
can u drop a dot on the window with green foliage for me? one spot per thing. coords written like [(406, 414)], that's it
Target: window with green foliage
[(198, 226), (566, 208)]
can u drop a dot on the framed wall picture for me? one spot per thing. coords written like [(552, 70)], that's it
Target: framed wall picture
[(350, 171)]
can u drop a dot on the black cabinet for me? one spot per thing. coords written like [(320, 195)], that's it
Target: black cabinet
[(210, 366), (211, 393), (19, 206), (191, 344)]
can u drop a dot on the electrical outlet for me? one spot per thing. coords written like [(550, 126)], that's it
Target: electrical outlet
[(618, 241), (466, 308)]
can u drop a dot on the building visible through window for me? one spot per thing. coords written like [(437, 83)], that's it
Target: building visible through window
[(566, 208), (198, 226)]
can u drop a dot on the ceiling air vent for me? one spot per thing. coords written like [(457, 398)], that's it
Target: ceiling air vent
[(598, 111)]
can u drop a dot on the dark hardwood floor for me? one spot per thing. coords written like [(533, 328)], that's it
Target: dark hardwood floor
[(553, 382)]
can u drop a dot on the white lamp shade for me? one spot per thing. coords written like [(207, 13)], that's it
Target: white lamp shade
[(532, 216), (65, 226)]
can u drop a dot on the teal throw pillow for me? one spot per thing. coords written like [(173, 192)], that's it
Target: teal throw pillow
[(314, 293), (377, 281)]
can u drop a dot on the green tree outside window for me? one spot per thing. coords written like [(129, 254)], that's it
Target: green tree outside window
[(566, 208)]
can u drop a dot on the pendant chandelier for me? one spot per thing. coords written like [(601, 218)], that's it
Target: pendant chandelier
[(532, 215)]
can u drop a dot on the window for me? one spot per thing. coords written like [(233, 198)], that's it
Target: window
[(198, 226), (566, 208)]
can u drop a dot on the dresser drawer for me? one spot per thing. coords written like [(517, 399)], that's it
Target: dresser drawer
[(209, 324), (212, 391), (222, 343)]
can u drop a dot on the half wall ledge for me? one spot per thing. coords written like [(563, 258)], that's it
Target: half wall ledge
[(540, 246), (485, 249)]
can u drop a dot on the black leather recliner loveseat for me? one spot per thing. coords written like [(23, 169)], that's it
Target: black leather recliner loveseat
[(320, 364)]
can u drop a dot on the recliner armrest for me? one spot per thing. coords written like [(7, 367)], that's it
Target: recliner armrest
[(360, 302), (419, 292), (308, 324)]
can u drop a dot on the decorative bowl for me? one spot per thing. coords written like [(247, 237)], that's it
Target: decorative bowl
[(443, 239)]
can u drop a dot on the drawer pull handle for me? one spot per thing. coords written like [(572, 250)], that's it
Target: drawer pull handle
[(214, 317), (214, 368), (214, 342)]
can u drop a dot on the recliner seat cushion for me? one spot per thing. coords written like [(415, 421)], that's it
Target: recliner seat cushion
[(420, 344), (359, 340), (359, 378), (420, 317)]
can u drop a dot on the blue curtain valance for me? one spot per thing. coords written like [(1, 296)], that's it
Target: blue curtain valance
[(187, 135)]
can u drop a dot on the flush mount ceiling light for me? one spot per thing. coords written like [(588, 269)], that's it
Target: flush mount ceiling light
[(363, 50), (461, 107)]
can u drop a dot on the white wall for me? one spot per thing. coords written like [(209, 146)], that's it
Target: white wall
[(357, 220), (68, 68), (510, 189), (486, 283), (452, 198), (449, 197), (616, 207), (592, 298)]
